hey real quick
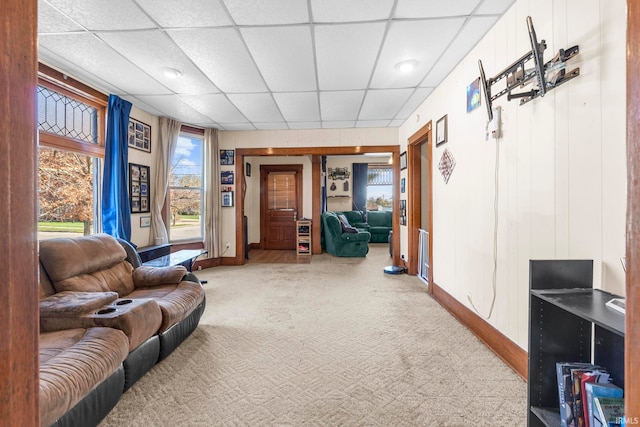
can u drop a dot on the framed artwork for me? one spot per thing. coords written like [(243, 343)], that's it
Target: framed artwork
[(139, 191), (139, 135), (227, 157), (247, 169), (402, 185), (403, 160), (145, 221), (403, 212), (441, 130), (473, 95), (446, 165), (226, 177), (227, 199)]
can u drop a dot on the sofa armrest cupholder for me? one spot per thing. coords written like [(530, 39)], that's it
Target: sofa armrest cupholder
[(106, 310), (124, 302)]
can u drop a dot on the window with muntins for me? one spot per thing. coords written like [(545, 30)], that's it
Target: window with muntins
[(186, 189)]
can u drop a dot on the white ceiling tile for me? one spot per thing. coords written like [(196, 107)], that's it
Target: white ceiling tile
[(221, 55), (469, 36), (341, 124), (305, 125), (142, 105), (103, 62), (396, 123), (434, 9), (186, 13), (237, 126), (405, 40), (342, 105), (52, 21), (346, 54), (414, 101), (173, 106), (153, 51), (217, 107), (284, 56), (257, 107), (497, 7), (271, 126), (299, 106), (272, 12), (383, 104), (104, 15), (350, 11), (372, 123)]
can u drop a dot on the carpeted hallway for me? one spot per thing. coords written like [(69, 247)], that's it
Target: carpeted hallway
[(332, 343)]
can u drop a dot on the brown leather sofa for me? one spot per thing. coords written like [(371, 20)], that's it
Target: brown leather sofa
[(88, 284)]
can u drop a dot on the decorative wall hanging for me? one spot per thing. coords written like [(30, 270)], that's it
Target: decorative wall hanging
[(446, 165), (333, 186), (139, 135), (403, 160), (227, 157), (226, 177), (247, 169), (345, 186), (441, 130), (402, 185), (339, 173), (227, 199), (139, 190), (473, 95), (403, 212), (145, 221)]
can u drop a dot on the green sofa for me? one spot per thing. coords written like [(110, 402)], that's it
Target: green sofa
[(355, 218), (379, 225), (343, 244)]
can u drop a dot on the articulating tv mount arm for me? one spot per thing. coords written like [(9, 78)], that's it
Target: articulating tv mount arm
[(548, 75)]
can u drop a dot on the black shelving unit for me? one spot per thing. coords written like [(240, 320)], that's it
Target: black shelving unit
[(568, 322)]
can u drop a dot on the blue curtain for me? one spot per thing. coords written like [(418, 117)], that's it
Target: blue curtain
[(116, 218), (360, 171)]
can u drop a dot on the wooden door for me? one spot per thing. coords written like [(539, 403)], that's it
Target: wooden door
[(280, 205)]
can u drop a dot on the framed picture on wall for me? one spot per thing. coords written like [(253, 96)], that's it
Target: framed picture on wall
[(403, 160), (227, 157), (441, 130), (139, 191), (227, 199), (139, 135), (402, 185), (226, 177)]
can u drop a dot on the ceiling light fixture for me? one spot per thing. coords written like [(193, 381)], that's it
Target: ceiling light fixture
[(407, 65), (171, 73)]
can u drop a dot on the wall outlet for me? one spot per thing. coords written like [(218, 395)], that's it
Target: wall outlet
[(226, 245)]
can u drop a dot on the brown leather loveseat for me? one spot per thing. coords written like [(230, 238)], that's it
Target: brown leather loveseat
[(90, 284)]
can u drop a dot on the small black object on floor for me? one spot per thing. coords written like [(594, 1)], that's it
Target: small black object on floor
[(392, 269)]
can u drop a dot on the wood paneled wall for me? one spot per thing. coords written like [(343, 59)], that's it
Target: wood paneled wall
[(19, 401)]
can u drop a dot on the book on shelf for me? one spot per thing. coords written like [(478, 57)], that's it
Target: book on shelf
[(581, 379), (565, 372), (609, 412), (597, 390)]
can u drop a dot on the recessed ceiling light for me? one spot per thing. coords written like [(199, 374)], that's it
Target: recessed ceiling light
[(171, 73), (406, 66)]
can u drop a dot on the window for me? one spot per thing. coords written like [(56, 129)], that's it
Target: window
[(186, 189), (70, 119), (379, 187), (281, 193)]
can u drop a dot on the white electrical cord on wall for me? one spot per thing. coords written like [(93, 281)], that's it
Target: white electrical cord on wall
[(495, 236)]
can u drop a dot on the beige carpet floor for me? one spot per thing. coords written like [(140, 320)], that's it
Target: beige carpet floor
[(332, 343)]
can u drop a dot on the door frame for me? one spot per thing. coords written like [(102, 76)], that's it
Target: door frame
[(315, 153), (264, 171), (414, 197)]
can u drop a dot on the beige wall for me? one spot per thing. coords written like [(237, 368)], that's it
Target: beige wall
[(562, 174)]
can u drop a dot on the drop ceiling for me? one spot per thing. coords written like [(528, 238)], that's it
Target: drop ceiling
[(265, 64)]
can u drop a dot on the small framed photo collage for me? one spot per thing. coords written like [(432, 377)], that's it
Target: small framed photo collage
[(139, 135), (139, 190)]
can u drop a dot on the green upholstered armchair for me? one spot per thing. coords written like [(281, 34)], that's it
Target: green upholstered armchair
[(356, 219), (341, 243), (379, 225)]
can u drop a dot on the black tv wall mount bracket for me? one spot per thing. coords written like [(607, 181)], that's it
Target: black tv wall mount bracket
[(548, 75)]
